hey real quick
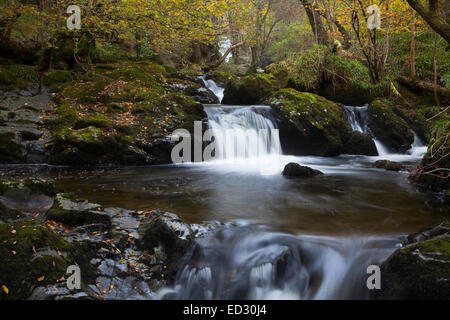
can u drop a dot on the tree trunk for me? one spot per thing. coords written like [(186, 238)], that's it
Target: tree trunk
[(433, 17), (413, 45), (435, 79), (316, 22)]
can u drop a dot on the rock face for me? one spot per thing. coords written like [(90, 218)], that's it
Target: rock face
[(252, 89), (312, 125), (294, 170), (419, 270), (389, 165), (167, 234), (387, 126)]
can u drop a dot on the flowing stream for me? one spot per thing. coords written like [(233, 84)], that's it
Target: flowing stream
[(290, 239)]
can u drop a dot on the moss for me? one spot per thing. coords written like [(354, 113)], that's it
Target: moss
[(432, 172), (18, 75), (252, 89), (310, 124), (29, 251), (56, 77)]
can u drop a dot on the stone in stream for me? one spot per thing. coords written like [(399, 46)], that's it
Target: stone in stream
[(294, 170), (419, 270), (389, 165), (166, 235), (72, 212)]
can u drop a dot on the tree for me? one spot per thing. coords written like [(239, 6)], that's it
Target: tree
[(315, 21), (436, 15)]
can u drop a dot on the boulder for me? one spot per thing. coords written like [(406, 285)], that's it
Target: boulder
[(389, 165), (388, 127), (419, 270), (252, 89), (166, 234), (359, 143), (310, 124), (72, 212), (294, 170)]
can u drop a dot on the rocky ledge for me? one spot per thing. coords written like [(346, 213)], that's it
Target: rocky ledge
[(122, 254), (420, 269)]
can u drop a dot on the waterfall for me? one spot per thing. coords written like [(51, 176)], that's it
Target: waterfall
[(243, 132), (211, 85), (256, 263), (357, 118)]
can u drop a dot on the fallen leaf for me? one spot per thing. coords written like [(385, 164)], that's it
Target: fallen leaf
[(5, 289), (13, 231), (13, 252), (41, 279)]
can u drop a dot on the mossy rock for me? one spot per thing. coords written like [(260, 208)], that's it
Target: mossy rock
[(9, 215), (358, 143), (57, 77), (31, 255), (252, 89), (34, 185), (432, 172), (389, 165), (294, 170), (72, 212), (420, 270), (168, 232), (309, 124), (388, 127), (10, 148)]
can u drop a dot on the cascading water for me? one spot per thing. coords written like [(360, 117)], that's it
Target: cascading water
[(211, 85), (243, 132), (256, 263), (357, 117)]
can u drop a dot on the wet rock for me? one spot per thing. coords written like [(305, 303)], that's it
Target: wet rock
[(419, 270), (310, 124), (27, 195), (389, 165), (168, 236), (294, 170), (73, 212), (359, 143), (388, 127)]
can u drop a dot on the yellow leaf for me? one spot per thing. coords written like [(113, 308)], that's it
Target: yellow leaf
[(5, 289)]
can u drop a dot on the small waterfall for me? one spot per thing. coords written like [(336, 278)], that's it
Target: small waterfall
[(256, 263), (357, 118), (243, 132), (211, 85), (418, 148)]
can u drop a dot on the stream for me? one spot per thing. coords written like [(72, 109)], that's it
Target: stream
[(290, 239)]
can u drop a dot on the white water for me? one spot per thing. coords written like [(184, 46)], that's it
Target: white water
[(211, 85), (243, 132), (257, 263), (224, 45), (357, 117)]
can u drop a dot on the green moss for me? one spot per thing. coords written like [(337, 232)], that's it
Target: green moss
[(56, 77), (18, 75), (29, 251)]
